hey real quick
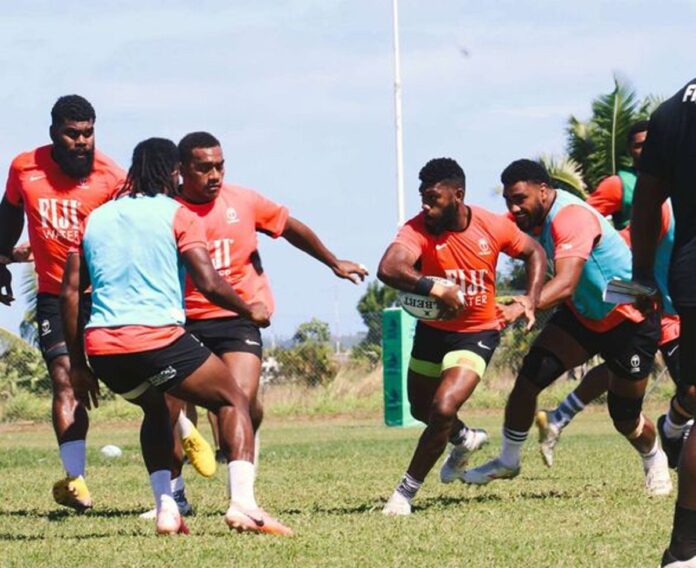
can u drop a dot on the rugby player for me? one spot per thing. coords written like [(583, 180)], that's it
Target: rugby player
[(614, 194), (233, 216), (57, 186), (449, 357), (586, 252), (134, 250), (668, 170), (672, 426)]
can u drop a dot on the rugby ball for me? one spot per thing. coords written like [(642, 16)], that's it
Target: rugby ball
[(423, 307), (111, 451)]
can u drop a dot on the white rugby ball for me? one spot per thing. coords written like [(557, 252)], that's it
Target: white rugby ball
[(423, 307), (111, 451)]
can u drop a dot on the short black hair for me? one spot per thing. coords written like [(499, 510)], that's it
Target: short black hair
[(151, 169), (441, 170), (195, 140), (72, 107), (525, 170), (640, 126)]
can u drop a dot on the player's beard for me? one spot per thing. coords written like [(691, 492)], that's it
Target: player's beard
[(75, 164)]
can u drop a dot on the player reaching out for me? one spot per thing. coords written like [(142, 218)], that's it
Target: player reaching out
[(134, 251)]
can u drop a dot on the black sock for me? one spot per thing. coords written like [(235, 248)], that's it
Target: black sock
[(683, 543)]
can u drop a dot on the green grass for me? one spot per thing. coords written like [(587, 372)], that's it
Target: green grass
[(328, 479)]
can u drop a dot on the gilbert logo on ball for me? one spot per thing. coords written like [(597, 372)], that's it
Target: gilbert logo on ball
[(423, 307)]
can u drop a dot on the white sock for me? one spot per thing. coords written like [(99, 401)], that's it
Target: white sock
[(512, 447), (72, 454), (671, 429), (240, 481), (257, 450), (177, 484), (184, 425), (649, 457), (160, 481)]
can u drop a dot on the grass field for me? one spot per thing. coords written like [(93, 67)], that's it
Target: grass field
[(328, 480)]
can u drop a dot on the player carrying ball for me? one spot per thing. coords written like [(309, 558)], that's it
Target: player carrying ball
[(461, 243)]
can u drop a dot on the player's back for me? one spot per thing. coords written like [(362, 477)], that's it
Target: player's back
[(133, 261)]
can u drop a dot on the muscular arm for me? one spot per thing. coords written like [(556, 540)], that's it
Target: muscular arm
[(562, 286), (649, 195), (215, 289), (74, 281), (535, 262), (302, 237), (397, 269)]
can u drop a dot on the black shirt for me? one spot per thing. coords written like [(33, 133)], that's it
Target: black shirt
[(670, 154)]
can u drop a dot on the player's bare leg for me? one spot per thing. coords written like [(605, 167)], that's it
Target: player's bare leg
[(436, 402), (554, 352), (625, 403), (70, 424), (683, 542), (211, 386), (551, 422)]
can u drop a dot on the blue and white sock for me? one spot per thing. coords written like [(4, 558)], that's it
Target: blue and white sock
[(409, 487), (73, 456), (567, 410)]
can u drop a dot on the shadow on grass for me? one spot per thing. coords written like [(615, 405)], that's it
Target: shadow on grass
[(63, 514), (437, 502), (14, 537)]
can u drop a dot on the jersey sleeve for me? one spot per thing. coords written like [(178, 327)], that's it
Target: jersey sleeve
[(270, 217), (188, 230), (510, 238), (608, 196), (13, 192), (410, 237), (656, 158), (574, 231), (119, 180)]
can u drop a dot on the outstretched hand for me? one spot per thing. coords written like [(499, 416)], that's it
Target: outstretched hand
[(349, 270), (518, 307)]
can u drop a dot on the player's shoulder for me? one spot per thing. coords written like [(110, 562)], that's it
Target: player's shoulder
[(105, 166), (491, 222), (31, 159), (417, 224)]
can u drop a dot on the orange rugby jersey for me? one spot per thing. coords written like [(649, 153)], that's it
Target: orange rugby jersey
[(468, 258), (231, 222), (56, 206)]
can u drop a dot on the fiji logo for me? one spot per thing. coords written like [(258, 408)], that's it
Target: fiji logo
[(231, 215), (484, 247), (635, 364), (45, 328), (162, 377)]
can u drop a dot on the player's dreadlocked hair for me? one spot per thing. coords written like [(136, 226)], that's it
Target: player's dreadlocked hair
[(150, 173), (195, 140), (640, 126), (72, 107), (441, 170), (525, 170)]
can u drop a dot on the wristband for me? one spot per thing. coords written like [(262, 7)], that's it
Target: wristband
[(423, 286)]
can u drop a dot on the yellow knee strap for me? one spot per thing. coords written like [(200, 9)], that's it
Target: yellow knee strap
[(425, 368), (466, 359)]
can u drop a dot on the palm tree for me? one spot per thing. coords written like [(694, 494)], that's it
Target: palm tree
[(599, 145), (566, 174)]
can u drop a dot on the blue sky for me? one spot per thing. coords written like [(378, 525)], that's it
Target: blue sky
[(300, 94)]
